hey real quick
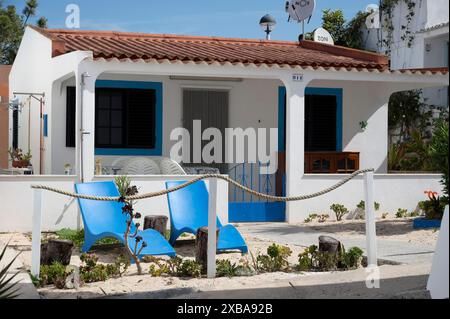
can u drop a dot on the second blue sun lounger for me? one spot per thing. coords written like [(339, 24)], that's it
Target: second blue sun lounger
[(189, 212), (106, 220)]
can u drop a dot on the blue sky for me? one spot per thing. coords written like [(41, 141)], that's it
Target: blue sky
[(231, 18)]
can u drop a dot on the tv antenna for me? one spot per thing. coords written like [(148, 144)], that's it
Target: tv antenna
[(300, 11)]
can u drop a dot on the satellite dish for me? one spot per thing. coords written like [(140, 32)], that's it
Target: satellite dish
[(373, 20), (300, 10), (372, 8), (323, 36)]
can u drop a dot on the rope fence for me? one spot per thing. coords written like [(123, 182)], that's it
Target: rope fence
[(207, 177), (212, 213)]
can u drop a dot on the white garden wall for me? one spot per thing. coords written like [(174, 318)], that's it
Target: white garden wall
[(391, 191), (58, 212)]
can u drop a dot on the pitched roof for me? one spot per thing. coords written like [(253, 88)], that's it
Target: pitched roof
[(137, 46)]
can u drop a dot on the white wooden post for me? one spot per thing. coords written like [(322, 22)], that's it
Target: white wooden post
[(36, 236), (371, 230), (212, 228)]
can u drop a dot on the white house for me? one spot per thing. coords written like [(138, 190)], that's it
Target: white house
[(415, 37), (99, 86)]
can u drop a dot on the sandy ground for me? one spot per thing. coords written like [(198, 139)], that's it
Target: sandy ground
[(147, 286)]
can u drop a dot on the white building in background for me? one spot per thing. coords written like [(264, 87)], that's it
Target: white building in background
[(426, 46)]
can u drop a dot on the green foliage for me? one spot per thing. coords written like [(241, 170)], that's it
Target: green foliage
[(12, 26), (339, 210), (434, 207), (334, 22), (176, 267), (401, 213), (8, 290), (323, 218), (123, 184), (348, 34), (77, 237), (314, 260), (362, 205), (92, 271), (352, 258), (226, 268), (54, 274), (311, 218), (438, 151), (275, 260)]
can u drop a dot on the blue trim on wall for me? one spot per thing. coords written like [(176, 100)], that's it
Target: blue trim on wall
[(257, 212), (158, 87), (281, 118), (45, 119), (310, 91)]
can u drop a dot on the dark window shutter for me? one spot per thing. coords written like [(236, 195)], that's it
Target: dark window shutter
[(141, 119), (321, 118), (15, 137), (70, 116)]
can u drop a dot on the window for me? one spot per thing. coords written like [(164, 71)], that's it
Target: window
[(70, 116), (321, 121), (15, 135), (125, 118)]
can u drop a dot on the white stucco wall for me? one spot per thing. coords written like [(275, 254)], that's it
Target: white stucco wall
[(58, 212)]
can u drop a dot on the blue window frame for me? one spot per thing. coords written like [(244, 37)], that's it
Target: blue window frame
[(338, 92), (45, 119), (158, 88)]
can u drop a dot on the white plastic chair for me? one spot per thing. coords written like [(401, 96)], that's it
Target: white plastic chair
[(141, 166), (171, 168)]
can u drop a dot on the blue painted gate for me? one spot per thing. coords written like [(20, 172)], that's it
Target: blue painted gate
[(246, 208)]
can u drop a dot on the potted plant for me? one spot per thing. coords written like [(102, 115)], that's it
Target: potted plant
[(432, 210), (68, 169), (20, 159)]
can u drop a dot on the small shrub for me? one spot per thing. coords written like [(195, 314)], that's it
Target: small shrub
[(323, 218), (91, 271), (339, 210), (55, 274), (190, 268), (401, 213), (311, 218), (275, 260), (314, 260), (226, 268), (352, 259), (385, 216), (176, 267), (77, 237)]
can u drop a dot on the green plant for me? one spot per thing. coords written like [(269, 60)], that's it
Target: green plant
[(275, 260), (352, 259), (190, 268), (323, 218), (434, 207), (438, 151), (311, 218), (8, 289), (126, 190), (314, 260), (362, 206), (54, 274), (385, 216), (19, 155), (226, 268), (401, 213), (92, 271), (77, 237), (339, 211)]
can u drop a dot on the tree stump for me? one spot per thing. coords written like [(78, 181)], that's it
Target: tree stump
[(201, 247), (158, 223), (330, 245), (56, 251)]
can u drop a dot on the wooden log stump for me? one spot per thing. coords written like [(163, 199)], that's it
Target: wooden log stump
[(201, 247), (158, 223), (329, 245), (56, 251)]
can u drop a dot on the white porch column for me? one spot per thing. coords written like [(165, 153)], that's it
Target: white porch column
[(295, 143), (85, 125)]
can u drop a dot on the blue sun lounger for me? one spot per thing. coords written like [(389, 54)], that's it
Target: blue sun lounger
[(106, 220), (189, 212)]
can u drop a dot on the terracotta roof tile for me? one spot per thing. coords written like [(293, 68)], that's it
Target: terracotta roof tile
[(134, 46)]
